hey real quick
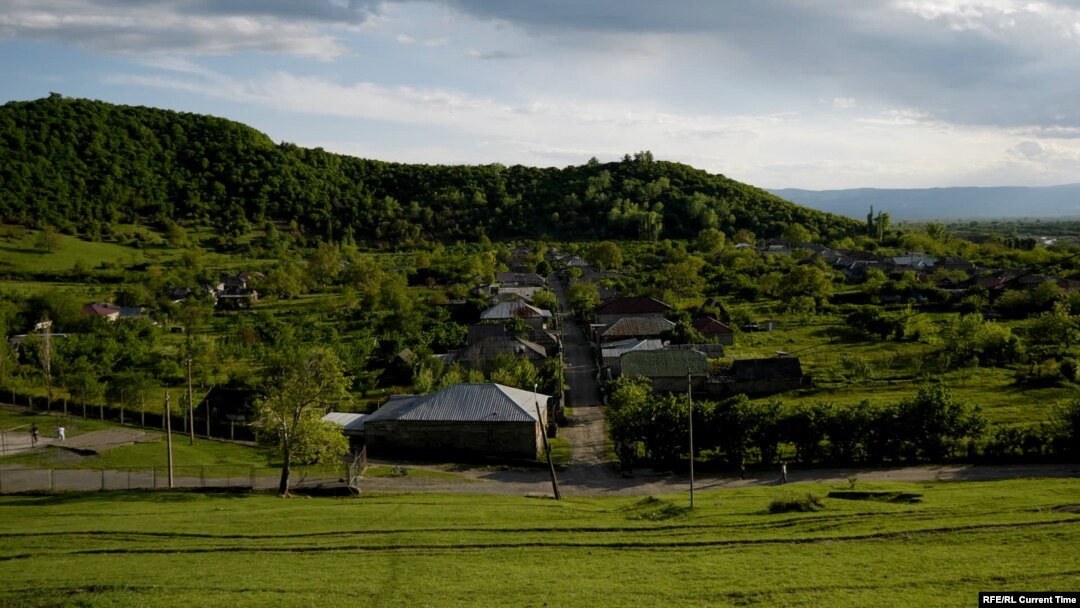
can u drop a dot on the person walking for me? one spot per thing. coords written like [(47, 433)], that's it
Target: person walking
[(33, 435), (60, 432), (783, 472)]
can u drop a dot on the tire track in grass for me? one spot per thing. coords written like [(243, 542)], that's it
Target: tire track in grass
[(563, 544)]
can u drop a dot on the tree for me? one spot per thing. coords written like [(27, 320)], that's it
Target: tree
[(796, 234), (710, 241), (934, 422), (606, 256), (583, 297), (546, 300), (288, 419), (47, 240)]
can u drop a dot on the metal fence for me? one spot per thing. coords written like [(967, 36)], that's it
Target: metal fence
[(211, 477)]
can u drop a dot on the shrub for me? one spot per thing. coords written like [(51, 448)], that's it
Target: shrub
[(792, 504)]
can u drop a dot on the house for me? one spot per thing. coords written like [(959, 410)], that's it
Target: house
[(482, 331), (534, 316), (714, 331), (760, 377), (634, 327), (611, 353), (638, 306), (103, 310), (352, 426), (464, 420), (481, 354), (520, 279), (670, 371)]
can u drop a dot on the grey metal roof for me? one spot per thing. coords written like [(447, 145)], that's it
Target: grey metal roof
[(349, 422), (467, 402), (616, 349), (510, 310)]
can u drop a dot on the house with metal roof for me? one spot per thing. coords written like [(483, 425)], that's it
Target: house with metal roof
[(669, 370), (634, 327), (611, 352), (460, 422), (537, 317), (352, 426), (638, 306)]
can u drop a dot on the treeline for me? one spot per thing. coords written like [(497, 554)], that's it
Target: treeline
[(83, 165), (932, 426)]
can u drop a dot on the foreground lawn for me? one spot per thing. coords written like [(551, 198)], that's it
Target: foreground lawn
[(129, 549)]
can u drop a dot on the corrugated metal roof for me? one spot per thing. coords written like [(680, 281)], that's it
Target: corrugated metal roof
[(466, 403), (617, 349), (638, 326), (664, 363), (510, 310), (348, 421)]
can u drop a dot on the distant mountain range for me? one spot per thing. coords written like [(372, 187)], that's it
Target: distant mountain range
[(943, 203)]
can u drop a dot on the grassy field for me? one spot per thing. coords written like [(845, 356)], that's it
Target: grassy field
[(135, 549)]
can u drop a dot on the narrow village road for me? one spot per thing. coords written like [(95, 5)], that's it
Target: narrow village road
[(586, 432)]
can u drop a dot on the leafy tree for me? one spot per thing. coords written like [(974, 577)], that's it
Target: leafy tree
[(710, 241), (583, 296), (796, 234), (288, 418), (933, 422), (546, 300), (517, 372), (606, 255), (47, 240)]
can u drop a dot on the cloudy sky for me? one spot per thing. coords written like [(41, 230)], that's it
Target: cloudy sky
[(777, 93)]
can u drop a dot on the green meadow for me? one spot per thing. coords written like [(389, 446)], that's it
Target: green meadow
[(195, 549)]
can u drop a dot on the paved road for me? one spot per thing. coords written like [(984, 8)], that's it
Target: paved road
[(586, 432)]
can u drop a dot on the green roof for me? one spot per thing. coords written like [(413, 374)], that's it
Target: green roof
[(664, 363)]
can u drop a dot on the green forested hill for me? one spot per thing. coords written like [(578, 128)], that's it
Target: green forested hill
[(82, 164)]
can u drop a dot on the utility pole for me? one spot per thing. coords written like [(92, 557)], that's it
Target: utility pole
[(547, 448), (168, 437), (690, 396), (191, 403)]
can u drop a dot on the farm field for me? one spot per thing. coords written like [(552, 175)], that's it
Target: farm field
[(131, 549)]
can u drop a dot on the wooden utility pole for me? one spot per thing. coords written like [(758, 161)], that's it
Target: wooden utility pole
[(168, 437), (547, 448), (191, 404), (690, 396)]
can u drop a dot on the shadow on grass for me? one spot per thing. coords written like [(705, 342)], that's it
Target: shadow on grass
[(177, 495)]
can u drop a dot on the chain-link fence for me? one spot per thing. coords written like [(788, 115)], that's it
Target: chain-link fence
[(211, 477)]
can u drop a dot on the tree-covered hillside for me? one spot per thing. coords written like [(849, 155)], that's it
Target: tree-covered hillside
[(81, 165)]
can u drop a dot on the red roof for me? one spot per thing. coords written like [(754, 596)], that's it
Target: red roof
[(638, 305), (103, 310), (709, 325)]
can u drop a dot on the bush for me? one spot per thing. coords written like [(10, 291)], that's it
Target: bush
[(791, 504)]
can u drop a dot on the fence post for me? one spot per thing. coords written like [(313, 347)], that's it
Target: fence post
[(52, 483)]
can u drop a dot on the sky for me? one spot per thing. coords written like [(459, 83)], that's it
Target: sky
[(815, 94)]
